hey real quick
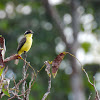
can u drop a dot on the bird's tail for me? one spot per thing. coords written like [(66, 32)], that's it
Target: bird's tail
[(16, 62)]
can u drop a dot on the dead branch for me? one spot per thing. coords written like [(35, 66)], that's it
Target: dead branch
[(5, 71), (24, 82), (93, 84), (13, 57), (47, 69), (24, 75), (16, 88), (89, 96), (15, 96), (2, 45), (28, 92), (48, 91)]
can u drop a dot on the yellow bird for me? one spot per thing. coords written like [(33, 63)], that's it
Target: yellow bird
[(25, 43)]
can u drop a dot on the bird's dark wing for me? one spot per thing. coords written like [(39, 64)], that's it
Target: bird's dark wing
[(21, 43)]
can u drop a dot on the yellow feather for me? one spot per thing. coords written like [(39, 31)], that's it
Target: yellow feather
[(27, 45)]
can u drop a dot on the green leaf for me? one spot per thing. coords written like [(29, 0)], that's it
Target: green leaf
[(5, 90), (86, 46), (1, 70)]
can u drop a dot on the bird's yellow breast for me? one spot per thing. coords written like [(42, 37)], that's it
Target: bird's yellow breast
[(27, 45)]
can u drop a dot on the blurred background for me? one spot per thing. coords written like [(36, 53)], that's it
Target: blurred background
[(58, 25)]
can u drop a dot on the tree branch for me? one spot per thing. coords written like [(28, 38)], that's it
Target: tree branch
[(24, 75), (47, 69), (28, 92), (93, 84), (13, 57), (48, 91)]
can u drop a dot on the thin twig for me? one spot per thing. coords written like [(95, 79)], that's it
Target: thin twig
[(11, 98), (28, 88), (24, 82), (2, 44), (97, 94), (15, 96), (17, 85), (5, 71), (93, 84), (28, 92), (35, 76), (28, 64), (89, 96), (47, 69), (48, 91)]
